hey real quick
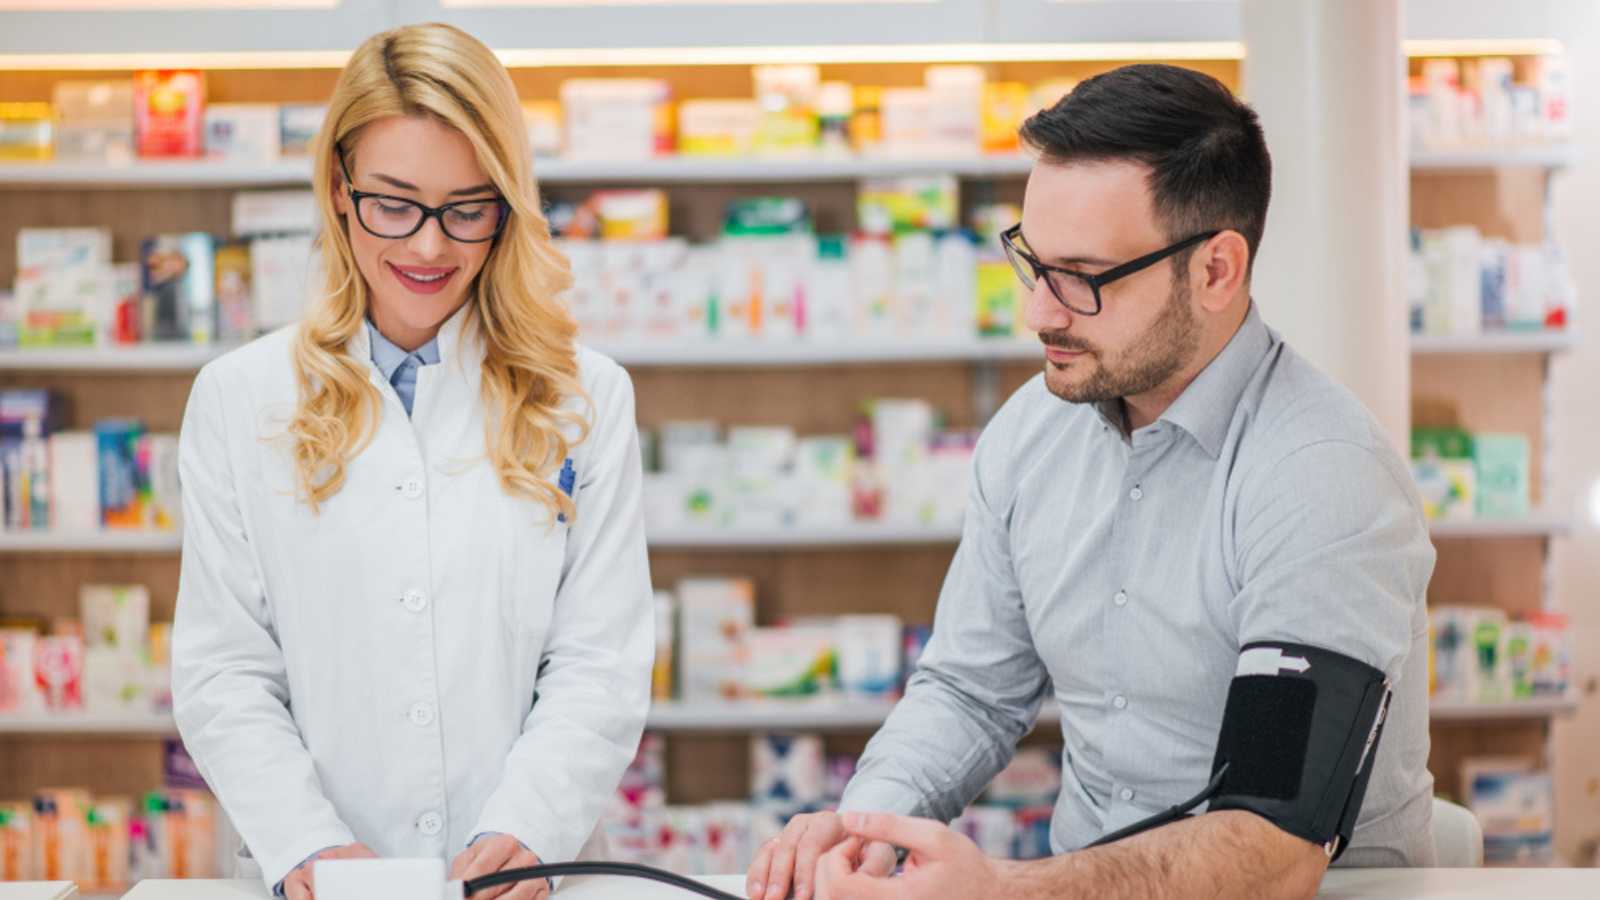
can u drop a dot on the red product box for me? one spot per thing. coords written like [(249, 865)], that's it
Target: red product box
[(169, 113)]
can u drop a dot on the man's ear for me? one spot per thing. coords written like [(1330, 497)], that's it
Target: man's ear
[(1219, 267)]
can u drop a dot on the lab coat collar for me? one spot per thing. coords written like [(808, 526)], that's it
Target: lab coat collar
[(459, 344)]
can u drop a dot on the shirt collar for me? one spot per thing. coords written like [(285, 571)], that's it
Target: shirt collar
[(1205, 408), (388, 357)]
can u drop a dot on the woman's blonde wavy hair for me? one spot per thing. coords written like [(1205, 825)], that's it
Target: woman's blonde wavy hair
[(530, 362)]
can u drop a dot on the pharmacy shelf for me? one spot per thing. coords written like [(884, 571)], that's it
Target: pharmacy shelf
[(1504, 342), (153, 357), (847, 535), (818, 353), (1544, 708), (190, 357), (156, 174), (1539, 524), (699, 537), (1554, 156), (90, 724), (707, 170), (663, 170), (109, 542), (831, 714)]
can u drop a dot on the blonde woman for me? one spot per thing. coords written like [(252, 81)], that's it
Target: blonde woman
[(414, 617)]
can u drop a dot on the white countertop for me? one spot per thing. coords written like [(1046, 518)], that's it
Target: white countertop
[(1342, 884), (37, 890)]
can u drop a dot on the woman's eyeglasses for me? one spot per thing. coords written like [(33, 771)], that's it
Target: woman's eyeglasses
[(393, 218)]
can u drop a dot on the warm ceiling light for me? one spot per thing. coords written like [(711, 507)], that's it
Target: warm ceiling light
[(752, 55), (1487, 47), (146, 5), (659, 56)]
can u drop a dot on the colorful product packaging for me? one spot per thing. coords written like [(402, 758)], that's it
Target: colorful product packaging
[(58, 672), (19, 692), (242, 132), (179, 284), (120, 503), (870, 654), (26, 131), (787, 770), (169, 113), (716, 615), (94, 121)]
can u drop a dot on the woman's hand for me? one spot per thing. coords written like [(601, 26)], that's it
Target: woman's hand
[(300, 883), (495, 852)]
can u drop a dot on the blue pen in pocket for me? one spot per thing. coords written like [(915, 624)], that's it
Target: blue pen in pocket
[(566, 481)]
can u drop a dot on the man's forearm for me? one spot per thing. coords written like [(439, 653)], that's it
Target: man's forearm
[(1223, 854)]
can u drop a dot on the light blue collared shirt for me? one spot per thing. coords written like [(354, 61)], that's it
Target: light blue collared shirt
[(398, 366), (1120, 575)]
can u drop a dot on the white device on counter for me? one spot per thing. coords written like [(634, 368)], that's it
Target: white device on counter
[(384, 879)]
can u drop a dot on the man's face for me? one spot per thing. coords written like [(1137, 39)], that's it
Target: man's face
[(1091, 217)]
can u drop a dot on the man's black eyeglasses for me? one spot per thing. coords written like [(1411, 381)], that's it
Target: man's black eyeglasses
[(393, 218), (1080, 291)]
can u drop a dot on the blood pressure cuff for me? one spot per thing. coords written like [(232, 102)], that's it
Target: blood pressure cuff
[(1299, 735)]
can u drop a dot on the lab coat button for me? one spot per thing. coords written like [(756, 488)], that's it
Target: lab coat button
[(412, 488), (1120, 702), (1121, 599), (1126, 795), (1136, 494), (430, 824), (422, 715), (415, 601)]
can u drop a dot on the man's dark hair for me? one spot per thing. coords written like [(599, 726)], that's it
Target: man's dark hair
[(1208, 161)]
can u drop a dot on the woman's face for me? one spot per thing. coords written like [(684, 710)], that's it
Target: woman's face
[(415, 282)]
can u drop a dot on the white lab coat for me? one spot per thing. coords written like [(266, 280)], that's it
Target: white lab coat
[(370, 673)]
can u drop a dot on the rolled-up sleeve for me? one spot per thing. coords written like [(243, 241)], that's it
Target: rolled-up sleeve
[(229, 682), (979, 684), (594, 684), (1334, 552)]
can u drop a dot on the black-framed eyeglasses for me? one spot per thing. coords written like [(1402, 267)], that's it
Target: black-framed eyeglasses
[(1080, 291), (393, 218)]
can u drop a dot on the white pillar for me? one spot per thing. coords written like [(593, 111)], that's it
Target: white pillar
[(1328, 80)]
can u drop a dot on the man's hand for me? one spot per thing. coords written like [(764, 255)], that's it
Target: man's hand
[(497, 852), (940, 862), (300, 884), (793, 855)]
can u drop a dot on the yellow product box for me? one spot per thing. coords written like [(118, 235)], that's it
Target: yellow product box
[(27, 131), (788, 98), (999, 301), (542, 118), (718, 127), (1005, 106), (638, 215)]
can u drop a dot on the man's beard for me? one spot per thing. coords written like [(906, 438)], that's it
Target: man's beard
[(1149, 362)]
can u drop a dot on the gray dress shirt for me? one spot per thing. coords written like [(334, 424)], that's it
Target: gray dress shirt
[(1122, 575)]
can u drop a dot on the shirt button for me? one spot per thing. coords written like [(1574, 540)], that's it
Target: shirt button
[(422, 715), (1119, 701), (430, 824), (415, 601), (411, 487), (1126, 794), (1121, 599), (1136, 494)]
